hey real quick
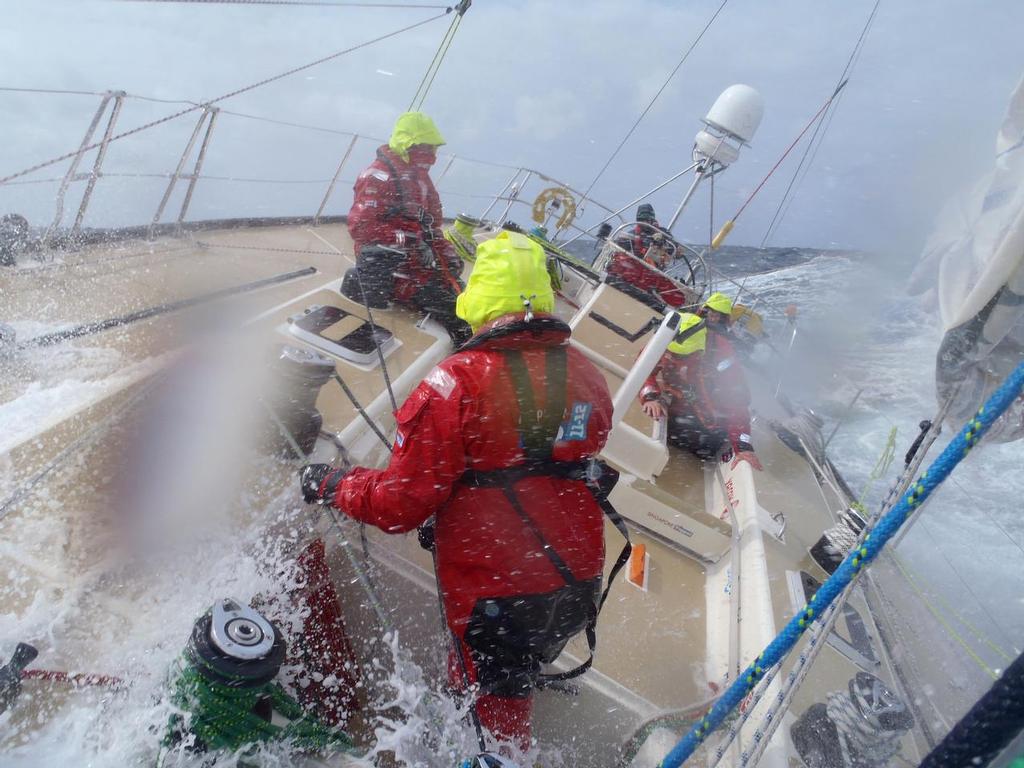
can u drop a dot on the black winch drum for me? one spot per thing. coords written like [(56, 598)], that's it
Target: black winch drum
[(233, 644)]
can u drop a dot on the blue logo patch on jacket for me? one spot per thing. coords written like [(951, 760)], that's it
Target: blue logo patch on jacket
[(575, 428)]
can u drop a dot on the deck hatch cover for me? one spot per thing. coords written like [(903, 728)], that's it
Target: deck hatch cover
[(340, 333)]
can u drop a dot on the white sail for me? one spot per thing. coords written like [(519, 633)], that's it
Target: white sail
[(978, 250)]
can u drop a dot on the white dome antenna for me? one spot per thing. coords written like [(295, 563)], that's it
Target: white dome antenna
[(731, 122)]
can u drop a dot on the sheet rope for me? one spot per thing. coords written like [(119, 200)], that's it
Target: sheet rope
[(854, 563)]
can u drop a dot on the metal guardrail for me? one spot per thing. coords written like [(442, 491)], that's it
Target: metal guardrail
[(111, 104)]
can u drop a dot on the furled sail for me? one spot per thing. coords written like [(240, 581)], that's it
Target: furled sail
[(978, 250)]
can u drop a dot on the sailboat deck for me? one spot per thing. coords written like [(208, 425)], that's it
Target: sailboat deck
[(655, 642)]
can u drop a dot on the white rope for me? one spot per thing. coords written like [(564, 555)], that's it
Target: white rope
[(770, 721)]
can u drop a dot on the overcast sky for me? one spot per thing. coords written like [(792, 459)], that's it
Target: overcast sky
[(550, 85)]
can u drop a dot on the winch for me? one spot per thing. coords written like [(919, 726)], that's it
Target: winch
[(224, 681)]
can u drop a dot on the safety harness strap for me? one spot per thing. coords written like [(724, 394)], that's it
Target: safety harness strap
[(426, 230), (538, 427), (538, 431), (582, 471)]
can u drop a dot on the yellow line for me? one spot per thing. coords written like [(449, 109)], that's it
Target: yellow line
[(963, 643)]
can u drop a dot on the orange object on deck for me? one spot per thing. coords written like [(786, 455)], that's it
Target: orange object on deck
[(637, 565)]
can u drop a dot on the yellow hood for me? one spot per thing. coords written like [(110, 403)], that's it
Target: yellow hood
[(413, 128), (509, 270)]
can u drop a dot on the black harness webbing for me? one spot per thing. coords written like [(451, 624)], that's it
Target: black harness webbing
[(403, 198), (426, 230), (538, 430)]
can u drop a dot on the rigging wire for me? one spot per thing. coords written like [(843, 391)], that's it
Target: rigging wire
[(826, 121), (830, 116), (784, 155), (442, 50), (664, 85), (316, 3), (52, 90), (274, 121), (245, 115), (236, 92)]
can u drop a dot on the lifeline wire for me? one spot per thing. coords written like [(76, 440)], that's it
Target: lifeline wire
[(650, 104), (51, 90), (245, 115), (236, 92), (776, 651)]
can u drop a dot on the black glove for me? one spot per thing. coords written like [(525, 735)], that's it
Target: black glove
[(312, 479), (425, 535)]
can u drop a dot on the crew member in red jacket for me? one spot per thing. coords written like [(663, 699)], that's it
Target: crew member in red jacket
[(650, 246), (700, 387), (397, 206), (650, 241), (495, 443)]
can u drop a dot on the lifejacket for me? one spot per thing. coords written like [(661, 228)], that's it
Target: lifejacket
[(468, 439), (539, 428)]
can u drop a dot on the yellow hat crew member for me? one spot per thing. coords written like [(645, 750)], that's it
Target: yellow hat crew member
[(414, 129)]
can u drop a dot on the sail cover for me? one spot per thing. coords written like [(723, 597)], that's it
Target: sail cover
[(978, 250)]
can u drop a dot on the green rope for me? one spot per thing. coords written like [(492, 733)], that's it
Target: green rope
[(223, 717), (881, 467)]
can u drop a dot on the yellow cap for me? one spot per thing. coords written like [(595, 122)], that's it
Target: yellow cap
[(693, 342), (413, 128), (719, 302), (510, 269)]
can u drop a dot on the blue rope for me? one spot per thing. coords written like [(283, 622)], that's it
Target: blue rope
[(776, 651)]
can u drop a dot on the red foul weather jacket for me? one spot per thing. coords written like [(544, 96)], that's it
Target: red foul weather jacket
[(709, 385), (643, 239), (634, 271), (465, 416), (389, 198)]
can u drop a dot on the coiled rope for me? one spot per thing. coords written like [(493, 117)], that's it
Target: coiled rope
[(224, 716), (919, 491)]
